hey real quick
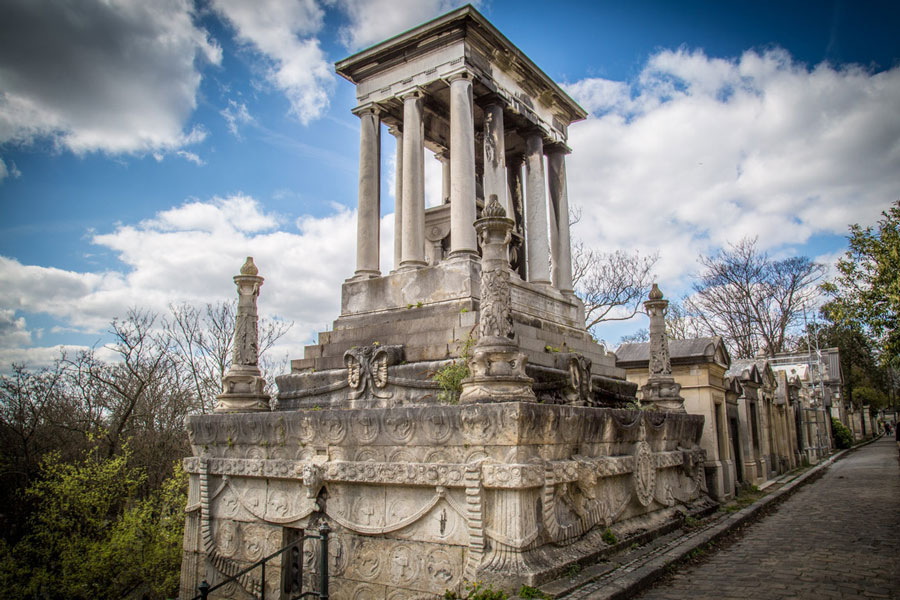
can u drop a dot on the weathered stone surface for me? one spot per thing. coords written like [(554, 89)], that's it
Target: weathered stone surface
[(425, 497)]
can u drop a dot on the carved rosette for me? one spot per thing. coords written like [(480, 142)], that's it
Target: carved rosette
[(661, 391), (497, 367), (243, 387)]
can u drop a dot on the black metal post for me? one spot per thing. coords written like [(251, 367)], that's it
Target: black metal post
[(262, 587), (324, 530), (203, 588)]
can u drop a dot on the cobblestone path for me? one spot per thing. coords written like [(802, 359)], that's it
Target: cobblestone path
[(838, 537)]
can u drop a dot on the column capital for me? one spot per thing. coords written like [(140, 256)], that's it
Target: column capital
[(409, 93), (556, 148), (395, 131), (368, 108), (462, 73), (491, 98)]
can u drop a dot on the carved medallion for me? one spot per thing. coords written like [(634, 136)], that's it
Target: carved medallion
[(644, 475), (227, 538), (365, 427), (476, 424), (335, 429), (437, 427), (404, 565), (399, 426), (440, 568)]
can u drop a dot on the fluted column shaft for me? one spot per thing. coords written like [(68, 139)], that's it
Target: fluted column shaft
[(538, 248), (462, 168), (369, 209), (412, 253), (560, 244), (494, 155), (398, 197)]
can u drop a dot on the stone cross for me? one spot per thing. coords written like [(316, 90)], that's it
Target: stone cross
[(660, 391), (497, 367), (243, 387)]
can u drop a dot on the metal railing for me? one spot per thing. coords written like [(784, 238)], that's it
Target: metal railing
[(289, 582)]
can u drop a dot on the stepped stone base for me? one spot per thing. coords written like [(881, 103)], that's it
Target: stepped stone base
[(424, 498)]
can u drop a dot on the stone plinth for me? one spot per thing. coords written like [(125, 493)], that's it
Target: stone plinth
[(424, 498)]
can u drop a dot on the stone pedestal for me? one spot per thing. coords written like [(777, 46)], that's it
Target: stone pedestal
[(243, 387), (497, 367), (661, 392)]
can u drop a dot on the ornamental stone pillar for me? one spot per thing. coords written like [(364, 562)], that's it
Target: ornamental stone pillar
[(413, 245), (560, 244), (398, 197), (494, 154), (660, 392), (368, 218), (462, 168), (497, 367), (537, 247), (243, 387)]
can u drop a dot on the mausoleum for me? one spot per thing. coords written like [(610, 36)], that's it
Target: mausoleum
[(513, 476)]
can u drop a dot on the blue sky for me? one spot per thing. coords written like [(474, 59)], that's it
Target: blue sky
[(147, 148)]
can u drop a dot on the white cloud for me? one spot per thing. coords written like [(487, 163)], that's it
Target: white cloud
[(284, 33), (191, 157), (116, 76), (9, 171), (372, 21), (190, 254), (13, 331), (236, 114), (698, 152)]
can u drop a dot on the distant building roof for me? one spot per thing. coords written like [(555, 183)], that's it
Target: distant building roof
[(690, 351)]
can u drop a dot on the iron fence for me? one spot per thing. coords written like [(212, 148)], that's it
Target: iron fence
[(292, 570)]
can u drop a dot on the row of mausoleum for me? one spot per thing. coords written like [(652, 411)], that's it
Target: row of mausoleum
[(764, 416)]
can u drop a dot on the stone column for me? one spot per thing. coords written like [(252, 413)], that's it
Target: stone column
[(368, 218), (462, 168), (495, 154), (560, 244), (660, 391), (517, 213), (398, 197), (243, 388), (497, 367), (413, 249), (444, 158), (537, 247)]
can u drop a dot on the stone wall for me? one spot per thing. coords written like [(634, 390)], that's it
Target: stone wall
[(424, 498)]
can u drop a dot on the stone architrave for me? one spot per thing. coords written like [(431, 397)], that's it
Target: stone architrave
[(660, 391), (243, 387), (497, 367)]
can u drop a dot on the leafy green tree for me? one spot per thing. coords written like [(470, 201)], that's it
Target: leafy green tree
[(867, 291), (90, 538)]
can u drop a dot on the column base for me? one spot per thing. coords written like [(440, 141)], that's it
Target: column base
[(411, 265), (462, 254), (366, 274)]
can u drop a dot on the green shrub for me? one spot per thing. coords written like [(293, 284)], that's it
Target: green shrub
[(477, 591), (609, 537), (843, 439), (526, 591), (450, 377)]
